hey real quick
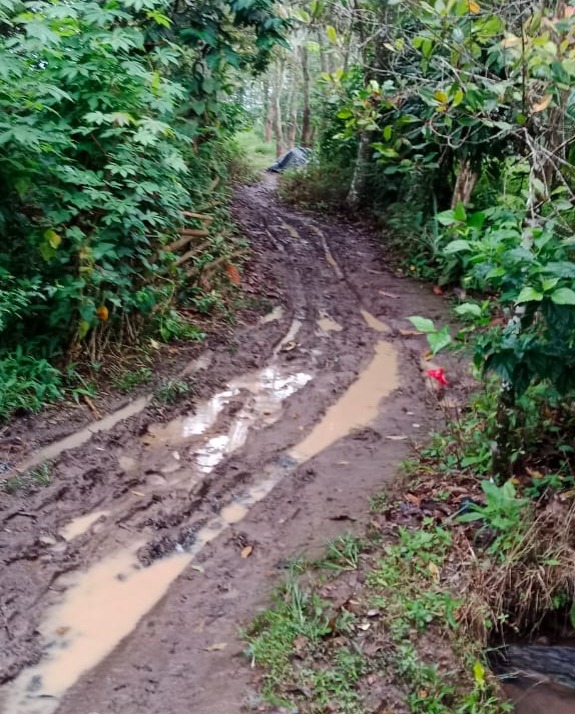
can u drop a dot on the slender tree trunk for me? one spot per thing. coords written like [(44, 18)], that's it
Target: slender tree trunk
[(360, 173), (464, 185), (268, 112), (277, 119), (323, 59), (293, 109), (306, 114)]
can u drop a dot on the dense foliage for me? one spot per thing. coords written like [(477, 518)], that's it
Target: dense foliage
[(114, 122)]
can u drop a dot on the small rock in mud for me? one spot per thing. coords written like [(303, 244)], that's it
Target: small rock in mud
[(35, 683)]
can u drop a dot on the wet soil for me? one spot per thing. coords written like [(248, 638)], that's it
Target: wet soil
[(126, 579)]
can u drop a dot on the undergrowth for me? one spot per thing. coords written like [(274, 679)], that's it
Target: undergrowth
[(378, 644)]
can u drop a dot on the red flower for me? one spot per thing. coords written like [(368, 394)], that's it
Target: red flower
[(438, 375)]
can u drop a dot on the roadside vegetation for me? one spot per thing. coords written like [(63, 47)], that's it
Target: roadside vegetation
[(116, 149)]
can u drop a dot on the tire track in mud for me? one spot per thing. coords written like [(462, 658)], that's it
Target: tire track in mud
[(179, 499)]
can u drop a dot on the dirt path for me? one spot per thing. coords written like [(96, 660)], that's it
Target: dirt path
[(297, 421)]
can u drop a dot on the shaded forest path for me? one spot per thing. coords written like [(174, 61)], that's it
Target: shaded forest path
[(297, 421)]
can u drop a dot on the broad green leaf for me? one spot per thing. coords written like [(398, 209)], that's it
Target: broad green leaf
[(457, 98), (528, 294), (469, 308), (53, 238), (439, 340), (446, 218), (563, 296), (332, 34), (422, 324), (457, 246), (459, 214)]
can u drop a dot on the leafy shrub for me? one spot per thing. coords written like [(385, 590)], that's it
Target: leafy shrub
[(27, 383)]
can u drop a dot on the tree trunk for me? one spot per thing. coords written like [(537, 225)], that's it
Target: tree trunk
[(360, 173), (464, 185), (503, 446), (268, 113), (277, 118), (323, 60), (306, 114)]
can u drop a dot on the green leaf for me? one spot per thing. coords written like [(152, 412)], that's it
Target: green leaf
[(563, 296), (459, 214), (332, 34), (422, 324), (528, 294), (53, 238), (83, 329), (479, 674), (439, 340), (469, 308), (446, 218), (457, 246)]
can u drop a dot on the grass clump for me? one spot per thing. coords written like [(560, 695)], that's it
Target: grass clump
[(39, 477), (171, 391)]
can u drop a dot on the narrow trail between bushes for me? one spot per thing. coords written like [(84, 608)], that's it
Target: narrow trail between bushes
[(126, 579)]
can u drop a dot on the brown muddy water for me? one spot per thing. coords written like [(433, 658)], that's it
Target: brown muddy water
[(91, 612), (532, 697)]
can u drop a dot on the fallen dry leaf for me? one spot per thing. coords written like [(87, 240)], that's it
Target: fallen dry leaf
[(434, 570), (217, 647), (412, 498), (138, 493), (198, 568), (543, 104), (437, 290), (247, 551), (393, 296), (396, 438)]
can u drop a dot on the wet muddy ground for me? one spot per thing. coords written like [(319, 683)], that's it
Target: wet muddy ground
[(126, 579)]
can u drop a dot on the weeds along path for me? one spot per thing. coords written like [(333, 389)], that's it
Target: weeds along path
[(126, 578)]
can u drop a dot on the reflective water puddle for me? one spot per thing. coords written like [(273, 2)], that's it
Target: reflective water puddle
[(266, 390), (100, 607), (51, 451), (373, 322), (357, 407), (532, 697)]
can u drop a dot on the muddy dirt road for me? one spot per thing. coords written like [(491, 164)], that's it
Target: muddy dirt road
[(125, 580)]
